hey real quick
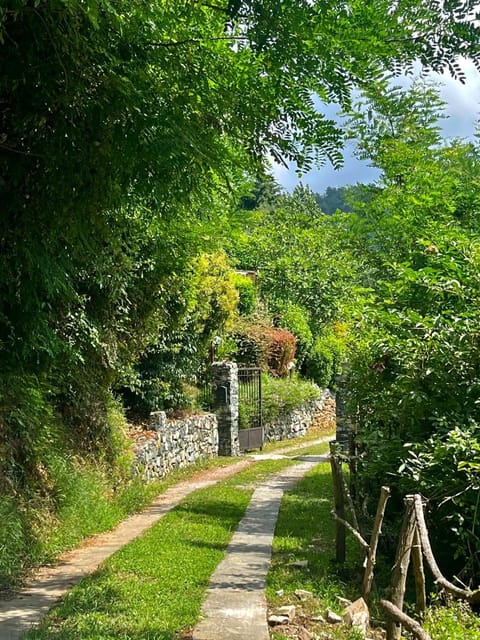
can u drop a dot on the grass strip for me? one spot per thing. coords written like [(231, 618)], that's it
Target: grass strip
[(315, 450), (306, 531), (152, 589)]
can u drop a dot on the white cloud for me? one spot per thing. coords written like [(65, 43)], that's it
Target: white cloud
[(462, 109)]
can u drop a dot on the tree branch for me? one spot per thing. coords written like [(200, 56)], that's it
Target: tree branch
[(409, 623), (353, 531), (473, 597), (29, 154)]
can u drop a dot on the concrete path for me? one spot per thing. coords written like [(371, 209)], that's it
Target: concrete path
[(235, 607), (284, 452), (50, 584)]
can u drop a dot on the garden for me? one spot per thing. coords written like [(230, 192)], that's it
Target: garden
[(143, 235)]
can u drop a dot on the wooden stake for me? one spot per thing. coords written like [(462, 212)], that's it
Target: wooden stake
[(418, 572), (351, 506), (339, 504), (409, 623), (372, 554), (402, 560)]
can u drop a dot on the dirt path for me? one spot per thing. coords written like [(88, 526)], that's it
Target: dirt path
[(50, 584)]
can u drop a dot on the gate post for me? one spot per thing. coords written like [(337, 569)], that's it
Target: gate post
[(225, 394), (344, 429)]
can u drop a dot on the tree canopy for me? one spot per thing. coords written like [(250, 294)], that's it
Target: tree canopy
[(125, 128)]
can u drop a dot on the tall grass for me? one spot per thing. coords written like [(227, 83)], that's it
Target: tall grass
[(78, 497)]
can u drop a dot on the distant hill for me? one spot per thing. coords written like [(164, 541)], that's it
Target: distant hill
[(339, 198)]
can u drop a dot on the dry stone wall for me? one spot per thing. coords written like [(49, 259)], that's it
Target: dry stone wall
[(176, 443), (296, 423)]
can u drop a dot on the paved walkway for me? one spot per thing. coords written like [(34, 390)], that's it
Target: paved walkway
[(50, 584), (235, 607)]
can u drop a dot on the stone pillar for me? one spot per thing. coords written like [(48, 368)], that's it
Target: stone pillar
[(225, 390), (344, 425)]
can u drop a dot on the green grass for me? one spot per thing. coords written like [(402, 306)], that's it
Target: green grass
[(316, 450), (153, 588), (455, 622), (83, 504), (90, 506), (306, 531), (314, 434)]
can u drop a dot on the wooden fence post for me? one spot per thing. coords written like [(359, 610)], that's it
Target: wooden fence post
[(372, 552), (339, 503), (402, 560), (419, 572)]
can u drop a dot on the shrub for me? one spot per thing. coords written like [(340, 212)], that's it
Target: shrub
[(295, 318), (323, 361), (270, 348), (446, 470), (246, 293), (279, 396), (170, 364)]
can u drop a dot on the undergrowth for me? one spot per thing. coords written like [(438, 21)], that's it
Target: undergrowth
[(79, 497), (281, 395)]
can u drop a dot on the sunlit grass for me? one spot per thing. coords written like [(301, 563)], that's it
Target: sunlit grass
[(314, 434), (316, 450), (90, 507), (306, 531), (152, 589), (455, 622)]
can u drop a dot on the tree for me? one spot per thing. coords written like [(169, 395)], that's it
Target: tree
[(120, 123), (304, 276), (415, 371)]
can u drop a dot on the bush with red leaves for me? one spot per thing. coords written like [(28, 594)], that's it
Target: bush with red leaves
[(271, 348)]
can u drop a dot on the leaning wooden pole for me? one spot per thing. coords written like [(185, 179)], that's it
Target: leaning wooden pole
[(401, 618), (351, 506), (372, 552), (419, 572), (339, 502), (402, 561), (473, 597)]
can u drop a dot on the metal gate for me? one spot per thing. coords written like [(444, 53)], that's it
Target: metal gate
[(250, 431)]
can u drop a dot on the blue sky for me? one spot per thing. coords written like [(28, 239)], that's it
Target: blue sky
[(463, 111)]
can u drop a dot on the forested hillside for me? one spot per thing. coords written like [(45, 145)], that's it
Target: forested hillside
[(135, 139)]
